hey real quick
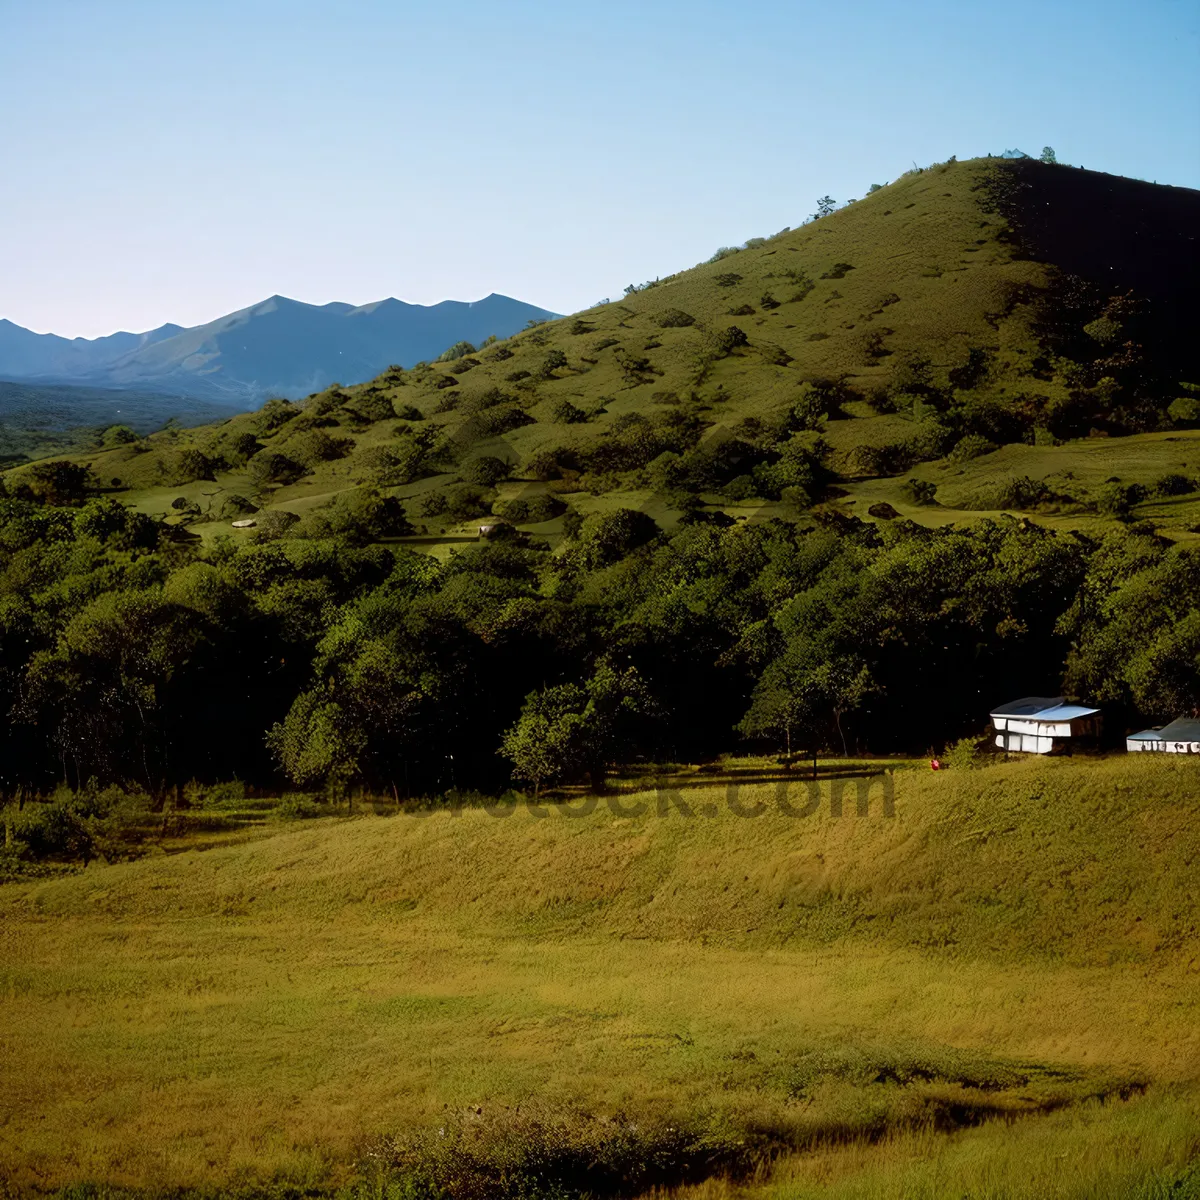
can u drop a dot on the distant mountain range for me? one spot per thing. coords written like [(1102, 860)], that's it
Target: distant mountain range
[(280, 347)]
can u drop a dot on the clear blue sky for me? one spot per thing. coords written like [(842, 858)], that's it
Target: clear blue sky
[(175, 160)]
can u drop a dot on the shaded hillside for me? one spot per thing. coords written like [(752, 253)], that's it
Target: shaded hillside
[(1118, 234)]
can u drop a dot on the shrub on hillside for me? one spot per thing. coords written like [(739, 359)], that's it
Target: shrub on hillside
[(804, 285), (566, 413), (321, 404), (877, 461), (356, 517), (964, 755), (494, 421), (635, 370), (276, 413), (296, 806), (608, 537), (433, 504), (236, 449), (675, 318), (186, 466), (236, 507), (1185, 410), (117, 435), (920, 491), (466, 501), (989, 417), (381, 465), (485, 471), (1116, 499), (108, 521), (725, 341), (370, 406), (1020, 492), (457, 351), (530, 510), (550, 463), (969, 447), (1173, 484), (912, 375), (269, 466), (272, 525), (315, 446)]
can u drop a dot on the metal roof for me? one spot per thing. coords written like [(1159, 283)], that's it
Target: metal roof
[(1027, 707), (1184, 730), (1043, 708), (1065, 712)]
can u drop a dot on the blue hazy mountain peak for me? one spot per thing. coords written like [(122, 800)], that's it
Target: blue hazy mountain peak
[(278, 346)]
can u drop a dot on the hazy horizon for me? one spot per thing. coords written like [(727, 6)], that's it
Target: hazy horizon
[(175, 163)]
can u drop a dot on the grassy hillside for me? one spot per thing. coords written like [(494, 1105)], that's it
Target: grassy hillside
[(868, 1002), (942, 315)]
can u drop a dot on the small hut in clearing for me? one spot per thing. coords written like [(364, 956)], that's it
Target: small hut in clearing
[(1043, 724), (1180, 737)]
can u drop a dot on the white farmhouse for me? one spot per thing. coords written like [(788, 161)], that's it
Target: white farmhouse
[(1180, 737), (1043, 724)]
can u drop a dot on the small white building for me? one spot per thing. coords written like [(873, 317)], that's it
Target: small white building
[(1043, 724), (1180, 737)]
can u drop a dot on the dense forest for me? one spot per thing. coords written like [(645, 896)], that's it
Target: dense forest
[(129, 655)]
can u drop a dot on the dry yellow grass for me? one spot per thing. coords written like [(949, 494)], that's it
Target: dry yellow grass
[(255, 1012)]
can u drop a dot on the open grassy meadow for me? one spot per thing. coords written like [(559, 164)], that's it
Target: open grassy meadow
[(995, 991)]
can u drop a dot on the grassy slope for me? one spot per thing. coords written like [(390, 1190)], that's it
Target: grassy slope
[(256, 1011), (936, 271), (1081, 468)]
